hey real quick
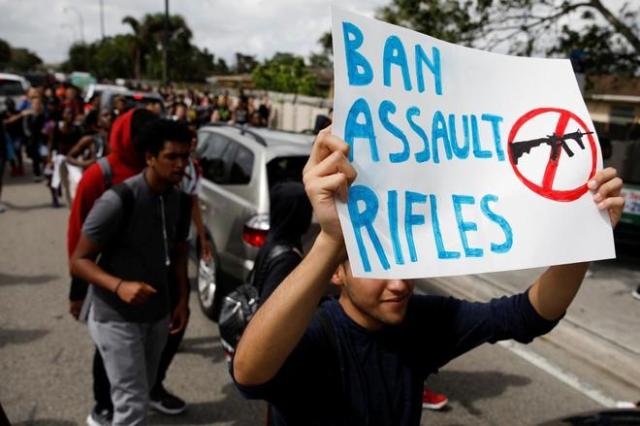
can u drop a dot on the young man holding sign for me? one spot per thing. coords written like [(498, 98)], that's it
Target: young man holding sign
[(364, 358)]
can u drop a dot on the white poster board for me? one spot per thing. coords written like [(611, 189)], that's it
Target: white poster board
[(467, 161)]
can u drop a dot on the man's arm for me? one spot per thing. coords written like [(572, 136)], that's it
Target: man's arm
[(98, 230), (86, 141), (554, 291), (180, 315), (266, 344), (83, 265), (196, 215)]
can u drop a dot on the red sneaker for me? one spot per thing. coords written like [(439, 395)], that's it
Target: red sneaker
[(432, 400)]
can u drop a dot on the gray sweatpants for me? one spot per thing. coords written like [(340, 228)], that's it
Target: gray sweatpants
[(131, 353)]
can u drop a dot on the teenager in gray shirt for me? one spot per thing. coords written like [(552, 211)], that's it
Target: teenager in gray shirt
[(139, 229)]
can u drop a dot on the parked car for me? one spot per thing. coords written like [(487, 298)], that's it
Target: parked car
[(132, 98), (12, 86), (239, 166), (97, 89)]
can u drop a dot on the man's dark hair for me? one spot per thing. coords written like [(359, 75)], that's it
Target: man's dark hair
[(91, 120), (154, 135), (139, 120)]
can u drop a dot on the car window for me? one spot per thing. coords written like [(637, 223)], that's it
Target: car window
[(10, 88), (212, 145), (215, 154), (282, 169), (241, 167)]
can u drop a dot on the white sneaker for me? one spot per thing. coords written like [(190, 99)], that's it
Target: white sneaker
[(636, 293)]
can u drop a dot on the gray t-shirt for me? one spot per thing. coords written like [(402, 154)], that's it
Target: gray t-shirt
[(134, 248)]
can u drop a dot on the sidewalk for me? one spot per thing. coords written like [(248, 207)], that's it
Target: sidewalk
[(599, 338)]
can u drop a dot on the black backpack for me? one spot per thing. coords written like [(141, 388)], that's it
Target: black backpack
[(239, 306)]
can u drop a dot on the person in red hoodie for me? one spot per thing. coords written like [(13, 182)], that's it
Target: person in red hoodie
[(124, 161)]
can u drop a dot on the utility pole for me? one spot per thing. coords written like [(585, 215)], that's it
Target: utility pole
[(102, 18), (165, 55)]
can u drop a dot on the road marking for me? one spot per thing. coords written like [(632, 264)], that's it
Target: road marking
[(555, 371)]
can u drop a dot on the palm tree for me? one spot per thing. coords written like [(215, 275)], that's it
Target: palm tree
[(139, 38)]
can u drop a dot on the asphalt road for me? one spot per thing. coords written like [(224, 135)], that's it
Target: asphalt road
[(45, 355)]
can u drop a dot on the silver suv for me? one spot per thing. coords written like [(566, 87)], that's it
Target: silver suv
[(239, 165)]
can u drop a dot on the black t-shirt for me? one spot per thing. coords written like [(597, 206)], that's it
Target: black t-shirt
[(64, 141), (275, 272), (13, 129), (376, 378)]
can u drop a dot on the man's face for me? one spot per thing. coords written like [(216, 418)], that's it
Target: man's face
[(155, 107), (373, 303), (170, 163), (67, 115), (106, 119)]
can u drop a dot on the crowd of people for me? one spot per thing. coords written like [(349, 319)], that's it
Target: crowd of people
[(62, 134)]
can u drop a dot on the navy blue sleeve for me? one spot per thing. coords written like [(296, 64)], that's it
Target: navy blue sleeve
[(304, 367), (460, 326), (278, 270)]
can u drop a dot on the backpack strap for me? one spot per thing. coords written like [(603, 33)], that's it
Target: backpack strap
[(280, 249), (106, 171), (275, 252), (125, 193)]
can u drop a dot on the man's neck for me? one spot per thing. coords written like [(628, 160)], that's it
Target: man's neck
[(156, 184)]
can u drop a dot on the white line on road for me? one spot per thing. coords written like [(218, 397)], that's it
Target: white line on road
[(555, 371)]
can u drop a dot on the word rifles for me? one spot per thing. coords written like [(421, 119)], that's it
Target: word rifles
[(517, 149)]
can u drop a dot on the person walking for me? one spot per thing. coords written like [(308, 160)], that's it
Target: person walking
[(125, 160), (143, 219)]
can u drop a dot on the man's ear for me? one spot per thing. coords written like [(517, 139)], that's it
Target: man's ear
[(148, 158), (338, 276)]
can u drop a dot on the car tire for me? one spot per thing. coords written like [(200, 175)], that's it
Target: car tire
[(208, 283)]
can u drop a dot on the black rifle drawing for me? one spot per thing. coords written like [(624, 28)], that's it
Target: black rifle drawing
[(556, 142)]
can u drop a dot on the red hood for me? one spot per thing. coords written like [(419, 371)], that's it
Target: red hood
[(122, 144)]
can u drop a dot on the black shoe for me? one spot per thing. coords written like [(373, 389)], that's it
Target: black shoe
[(100, 417), (166, 403)]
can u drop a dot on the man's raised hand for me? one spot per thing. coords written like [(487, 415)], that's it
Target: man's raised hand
[(606, 187), (326, 175)]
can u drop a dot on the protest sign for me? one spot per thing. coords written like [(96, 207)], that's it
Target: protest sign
[(467, 161)]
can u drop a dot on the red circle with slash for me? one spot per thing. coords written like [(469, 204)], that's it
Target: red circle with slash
[(545, 189)]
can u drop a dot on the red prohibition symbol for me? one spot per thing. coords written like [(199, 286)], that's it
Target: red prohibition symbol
[(545, 187)]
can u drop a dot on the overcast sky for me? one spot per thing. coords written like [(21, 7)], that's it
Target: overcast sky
[(257, 27)]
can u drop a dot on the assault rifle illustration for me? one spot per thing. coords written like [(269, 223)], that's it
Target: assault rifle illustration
[(556, 142)]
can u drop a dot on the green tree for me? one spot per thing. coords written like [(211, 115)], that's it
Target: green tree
[(287, 73), (23, 60), (138, 44), (245, 63), (324, 59), (608, 38), (5, 53), (80, 57), (112, 58), (140, 53), (220, 67)]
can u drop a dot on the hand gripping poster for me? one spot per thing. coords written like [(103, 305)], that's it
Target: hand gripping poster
[(467, 161)]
